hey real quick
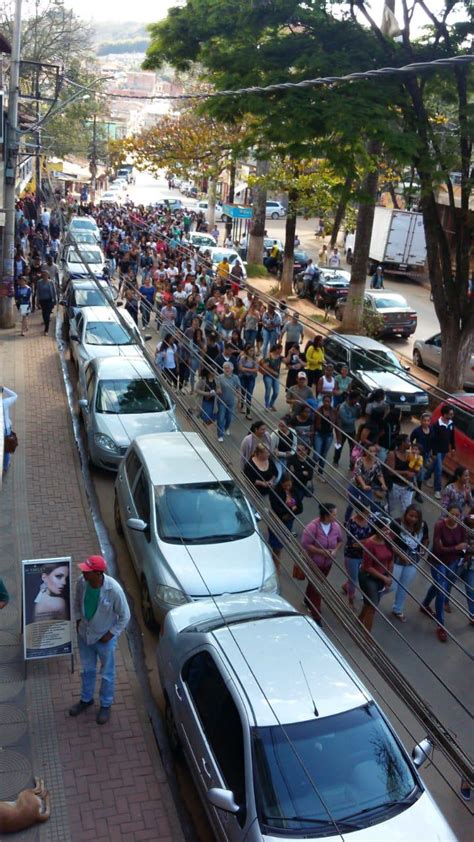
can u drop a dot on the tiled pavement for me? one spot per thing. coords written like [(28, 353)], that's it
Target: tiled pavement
[(107, 783)]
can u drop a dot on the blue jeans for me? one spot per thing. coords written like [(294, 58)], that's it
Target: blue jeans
[(224, 417), (443, 576), (403, 575), (247, 382), (269, 339), (272, 390), (352, 566), (250, 336), (105, 653), (438, 459), (322, 443)]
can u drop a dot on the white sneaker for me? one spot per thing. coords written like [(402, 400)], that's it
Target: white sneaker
[(227, 432), (220, 438), (437, 495)]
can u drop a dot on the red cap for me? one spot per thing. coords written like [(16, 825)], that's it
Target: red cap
[(94, 563)]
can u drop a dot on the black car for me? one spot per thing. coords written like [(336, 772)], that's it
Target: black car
[(300, 259), (84, 292), (331, 287)]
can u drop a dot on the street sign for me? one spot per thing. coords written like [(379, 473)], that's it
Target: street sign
[(237, 211)]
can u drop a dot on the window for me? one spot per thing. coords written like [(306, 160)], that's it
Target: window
[(107, 333), (132, 466), (202, 513), (335, 353), (141, 496), (435, 340), (463, 421), (392, 301), (220, 721), (90, 384)]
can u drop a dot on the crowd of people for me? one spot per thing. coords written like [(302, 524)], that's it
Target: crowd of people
[(216, 341)]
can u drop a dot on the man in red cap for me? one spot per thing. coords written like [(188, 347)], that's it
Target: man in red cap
[(102, 613)]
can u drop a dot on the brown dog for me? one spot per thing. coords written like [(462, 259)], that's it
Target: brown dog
[(30, 807)]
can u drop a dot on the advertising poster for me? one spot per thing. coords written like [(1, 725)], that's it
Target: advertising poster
[(47, 628)]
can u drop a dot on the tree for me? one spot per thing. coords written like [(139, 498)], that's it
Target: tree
[(189, 144)]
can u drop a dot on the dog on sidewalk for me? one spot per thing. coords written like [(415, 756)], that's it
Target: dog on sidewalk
[(31, 806)]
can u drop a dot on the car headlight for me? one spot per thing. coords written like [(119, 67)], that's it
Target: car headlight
[(271, 584), (106, 443), (172, 596), (422, 398)]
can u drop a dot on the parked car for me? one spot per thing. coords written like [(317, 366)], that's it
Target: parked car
[(122, 399), (397, 315), (219, 214), (463, 406), (190, 531), (111, 197), (427, 354), (198, 239), (84, 223), (269, 242), (274, 210), (373, 366), (99, 332), (332, 287), (76, 261), (79, 236), (217, 254), (84, 292), (282, 739), (300, 260)]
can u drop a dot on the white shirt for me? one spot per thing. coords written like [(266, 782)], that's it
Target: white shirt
[(45, 217), (8, 399), (334, 260)]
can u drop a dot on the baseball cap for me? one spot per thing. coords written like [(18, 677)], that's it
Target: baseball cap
[(93, 564), (302, 374)]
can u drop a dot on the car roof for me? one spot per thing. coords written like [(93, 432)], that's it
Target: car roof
[(282, 688), (106, 367), (179, 459), (88, 283), (364, 342), (460, 399)]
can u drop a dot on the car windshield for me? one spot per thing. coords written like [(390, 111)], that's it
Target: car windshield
[(218, 256), (202, 513), (374, 360), (83, 223), (127, 397), (107, 333), (337, 767), (90, 298), (86, 255), (389, 301)]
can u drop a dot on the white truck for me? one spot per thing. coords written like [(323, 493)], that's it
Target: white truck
[(398, 240)]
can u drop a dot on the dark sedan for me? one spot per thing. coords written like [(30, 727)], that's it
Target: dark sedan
[(300, 259), (331, 288)]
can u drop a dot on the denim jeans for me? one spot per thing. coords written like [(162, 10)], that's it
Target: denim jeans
[(403, 575), (443, 575), (438, 460), (247, 382), (352, 566), (269, 339), (272, 389), (401, 496), (105, 653), (250, 337), (224, 417), (322, 443)]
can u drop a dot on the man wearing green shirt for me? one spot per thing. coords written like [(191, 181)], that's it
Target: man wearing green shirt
[(102, 613)]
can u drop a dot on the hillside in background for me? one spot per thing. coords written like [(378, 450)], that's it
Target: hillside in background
[(120, 37)]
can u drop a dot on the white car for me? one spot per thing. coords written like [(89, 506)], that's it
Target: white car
[(219, 214), (274, 210), (198, 238), (99, 332), (84, 223), (76, 260), (190, 531), (427, 354), (217, 254), (123, 399), (282, 739), (111, 197)]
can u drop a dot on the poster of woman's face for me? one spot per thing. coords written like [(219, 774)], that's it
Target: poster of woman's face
[(47, 606)]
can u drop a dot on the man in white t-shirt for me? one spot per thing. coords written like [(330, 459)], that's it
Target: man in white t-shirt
[(334, 259)]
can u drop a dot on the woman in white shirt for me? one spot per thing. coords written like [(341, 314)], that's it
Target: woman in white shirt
[(8, 399), (165, 358)]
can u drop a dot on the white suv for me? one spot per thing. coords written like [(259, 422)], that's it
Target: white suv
[(275, 210), (282, 739)]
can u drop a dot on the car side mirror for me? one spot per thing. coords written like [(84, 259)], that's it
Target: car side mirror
[(148, 337), (422, 752), (119, 303), (83, 403), (406, 367), (223, 799), (137, 524)]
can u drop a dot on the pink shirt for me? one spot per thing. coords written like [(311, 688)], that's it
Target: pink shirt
[(314, 534)]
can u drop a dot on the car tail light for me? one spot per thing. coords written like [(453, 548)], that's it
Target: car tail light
[(327, 289), (386, 317), (413, 316)]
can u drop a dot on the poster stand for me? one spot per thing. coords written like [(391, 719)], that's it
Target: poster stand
[(47, 615)]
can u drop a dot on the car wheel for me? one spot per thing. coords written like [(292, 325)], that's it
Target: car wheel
[(417, 358), (117, 518), (147, 606), (171, 729), (275, 216)]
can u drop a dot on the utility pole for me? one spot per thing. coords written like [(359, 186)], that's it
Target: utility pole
[(93, 159), (7, 313)]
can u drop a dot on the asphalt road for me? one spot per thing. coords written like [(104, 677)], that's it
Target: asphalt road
[(444, 664)]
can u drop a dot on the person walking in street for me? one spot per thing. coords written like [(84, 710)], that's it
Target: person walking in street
[(46, 297), (401, 476), (300, 394), (376, 281), (147, 296), (258, 434), (375, 574), (458, 492), (270, 368), (300, 466), (410, 537), (422, 435), (294, 364), (247, 371), (334, 259), (321, 540), (314, 355), (358, 529), (261, 469), (324, 419), (346, 416), (292, 331), (101, 612), (286, 505), (284, 441), (271, 324), (444, 442), (449, 548), (206, 388), (23, 298), (227, 391), (368, 484), (8, 399)]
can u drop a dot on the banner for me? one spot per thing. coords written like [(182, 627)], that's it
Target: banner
[(47, 629)]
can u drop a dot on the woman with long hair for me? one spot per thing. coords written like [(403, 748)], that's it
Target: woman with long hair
[(52, 601), (410, 536), (166, 358)]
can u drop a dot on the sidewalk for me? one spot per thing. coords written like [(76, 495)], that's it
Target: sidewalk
[(107, 783)]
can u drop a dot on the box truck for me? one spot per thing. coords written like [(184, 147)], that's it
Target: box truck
[(398, 240)]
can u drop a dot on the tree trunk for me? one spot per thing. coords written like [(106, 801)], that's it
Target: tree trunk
[(393, 195), (230, 198), (286, 281), (341, 209), (354, 309), (257, 227), (7, 310), (211, 203)]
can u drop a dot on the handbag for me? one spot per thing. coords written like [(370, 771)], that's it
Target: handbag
[(298, 573), (10, 442)]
